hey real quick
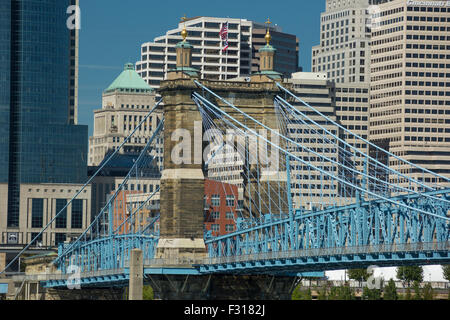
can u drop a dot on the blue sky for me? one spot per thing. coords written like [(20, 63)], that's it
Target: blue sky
[(113, 30)]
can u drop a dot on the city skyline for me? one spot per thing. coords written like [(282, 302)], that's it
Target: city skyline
[(101, 60), (363, 177)]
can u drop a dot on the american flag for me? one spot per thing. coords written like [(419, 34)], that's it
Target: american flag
[(224, 35)]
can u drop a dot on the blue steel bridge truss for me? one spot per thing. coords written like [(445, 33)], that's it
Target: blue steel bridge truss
[(368, 214)]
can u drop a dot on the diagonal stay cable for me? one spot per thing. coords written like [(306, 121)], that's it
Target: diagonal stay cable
[(84, 187), (156, 133), (304, 162), (360, 138)]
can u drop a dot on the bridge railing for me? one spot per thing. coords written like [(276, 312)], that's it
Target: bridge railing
[(176, 261), (341, 251), (64, 277)]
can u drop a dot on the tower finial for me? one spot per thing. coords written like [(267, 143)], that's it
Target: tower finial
[(268, 37), (184, 33)]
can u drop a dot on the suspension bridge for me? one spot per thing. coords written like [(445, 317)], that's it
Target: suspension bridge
[(374, 216), (357, 209)]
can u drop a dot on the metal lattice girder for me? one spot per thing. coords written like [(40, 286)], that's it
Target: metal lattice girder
[(369, 223), (109, 253), (330, 259)]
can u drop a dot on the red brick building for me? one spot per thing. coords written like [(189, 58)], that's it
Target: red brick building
[(120, 212), (221, 204)]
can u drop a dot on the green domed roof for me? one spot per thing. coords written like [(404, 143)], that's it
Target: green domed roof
[(183, 44), (129, 81), (267, 48)]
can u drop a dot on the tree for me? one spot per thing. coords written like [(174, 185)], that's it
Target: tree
[(428, 292), (408, 294), (322, 293), (147, 293), (417, 293), (301, 294), (409, 274), (390, 291), (446, 271), (358, 274), (371, 294), (346, 293), (341, 293)]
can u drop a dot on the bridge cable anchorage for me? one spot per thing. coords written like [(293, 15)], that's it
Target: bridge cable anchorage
[(142, 161), (360, 138), (105, 162), (367, 158), (211, 105)]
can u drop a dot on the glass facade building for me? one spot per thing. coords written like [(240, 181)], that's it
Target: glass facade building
[(39, 141)]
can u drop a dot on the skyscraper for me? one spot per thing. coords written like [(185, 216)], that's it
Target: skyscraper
[(343, 50), (241, 59), (39, 141), (410, 86)]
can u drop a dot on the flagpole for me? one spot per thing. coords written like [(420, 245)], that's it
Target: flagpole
[(226, 62), (223, 31), (226, 56)]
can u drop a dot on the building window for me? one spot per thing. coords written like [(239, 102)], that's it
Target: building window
[(215, 200), (230, 201), (216, 215), (215, 227), (61, 220), (37, 213), (77, 214), (38, 240), (230, 215), (59, 238), (229, 228)]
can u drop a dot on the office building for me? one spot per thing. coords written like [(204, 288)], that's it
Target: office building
[(125, 103), (351, 102), (41, 147), (309, 188), (241, 59), (287, 46), (410, 86), (344, 49)]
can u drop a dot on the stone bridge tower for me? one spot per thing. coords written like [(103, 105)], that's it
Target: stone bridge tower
[(182, 182)]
